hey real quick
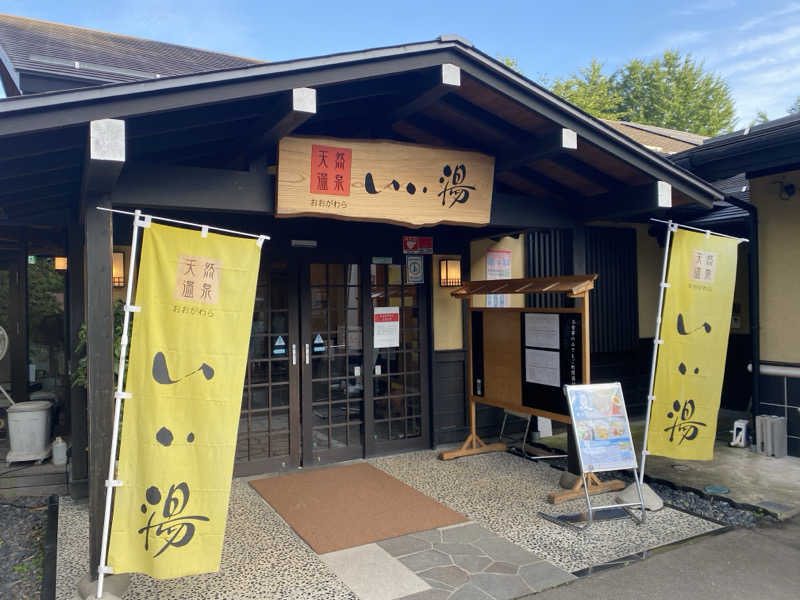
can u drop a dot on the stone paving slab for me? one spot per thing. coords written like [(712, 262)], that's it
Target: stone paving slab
[(488, 566), (503, 494), (373, 574)]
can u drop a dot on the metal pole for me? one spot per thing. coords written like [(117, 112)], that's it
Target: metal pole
[(656, 341), (187, 223), (111, 483)]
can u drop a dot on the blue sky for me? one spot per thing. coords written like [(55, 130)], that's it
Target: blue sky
[(754, 45)]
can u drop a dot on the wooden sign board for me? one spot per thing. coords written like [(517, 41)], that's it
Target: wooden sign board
[(378, 180)]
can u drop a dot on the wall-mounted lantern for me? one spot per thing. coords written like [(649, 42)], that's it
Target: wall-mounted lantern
[(60, 263), (118, 269), (450, 272)]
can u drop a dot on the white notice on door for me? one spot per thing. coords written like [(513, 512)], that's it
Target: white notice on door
[(386, 327), (543, 366), (541, 330)]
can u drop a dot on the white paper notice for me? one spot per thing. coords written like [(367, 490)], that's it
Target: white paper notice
[(541, 331), (543, 366), (386, 327)]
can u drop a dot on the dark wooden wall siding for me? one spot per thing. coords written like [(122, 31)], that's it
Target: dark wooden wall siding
[(548, 253), (737, 386), (611, 253), (449, 396)]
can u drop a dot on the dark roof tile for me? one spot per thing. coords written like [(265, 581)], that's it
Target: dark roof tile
[(39, 46)]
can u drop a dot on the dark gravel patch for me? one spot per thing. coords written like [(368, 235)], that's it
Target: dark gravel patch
[(715, 508), (23, 523)]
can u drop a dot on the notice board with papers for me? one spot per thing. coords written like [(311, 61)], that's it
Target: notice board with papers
[(522, 358), (552, 355)]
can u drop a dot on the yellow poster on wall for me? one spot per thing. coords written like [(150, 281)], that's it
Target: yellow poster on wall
[(185, 376), (691, 360)]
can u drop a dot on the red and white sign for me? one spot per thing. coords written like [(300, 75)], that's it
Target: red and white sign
[(386, 327), (414, 244), (330, 170)]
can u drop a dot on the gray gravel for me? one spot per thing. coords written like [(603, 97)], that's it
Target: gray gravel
[(705, 506), (23, 523)]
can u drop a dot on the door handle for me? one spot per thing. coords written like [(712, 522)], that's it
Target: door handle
[(294, 354), (307, 353)]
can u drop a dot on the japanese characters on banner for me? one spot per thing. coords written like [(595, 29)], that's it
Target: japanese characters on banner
[(385, 181), (691, 360), (185, 375), (498, 266), (601, 427)]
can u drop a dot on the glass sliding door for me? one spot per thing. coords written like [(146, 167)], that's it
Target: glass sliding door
[(399, 374), (333, 357), (269, 426)]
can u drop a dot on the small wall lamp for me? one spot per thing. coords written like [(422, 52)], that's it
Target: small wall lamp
[(450, 272), (60, 263), (118, 269)]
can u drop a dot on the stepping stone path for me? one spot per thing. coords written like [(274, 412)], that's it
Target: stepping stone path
[(468, 562)]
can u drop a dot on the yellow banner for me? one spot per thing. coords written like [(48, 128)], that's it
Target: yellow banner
[(691, 360), (187, 365)]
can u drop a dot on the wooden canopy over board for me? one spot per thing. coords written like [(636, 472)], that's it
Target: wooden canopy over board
[(572, 285)]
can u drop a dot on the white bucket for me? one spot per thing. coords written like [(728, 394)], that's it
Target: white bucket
[(29, 430)]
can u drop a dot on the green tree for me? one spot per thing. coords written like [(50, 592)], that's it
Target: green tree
[(671, 91), (510, 62), (591, 90), (761, 117), (795, 107)]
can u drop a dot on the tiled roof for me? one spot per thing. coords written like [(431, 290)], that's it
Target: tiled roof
[(76, 52), (661, 139)]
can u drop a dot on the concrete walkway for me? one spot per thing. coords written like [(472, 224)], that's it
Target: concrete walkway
[(744, 563), (772, 484)]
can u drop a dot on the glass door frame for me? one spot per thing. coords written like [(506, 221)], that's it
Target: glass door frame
[(293, 459), (305, 355), (373, 446)]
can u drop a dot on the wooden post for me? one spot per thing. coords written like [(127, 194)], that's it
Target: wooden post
[(100, 367), (587, 351), (105, 158), (79, 464), (18, 319)]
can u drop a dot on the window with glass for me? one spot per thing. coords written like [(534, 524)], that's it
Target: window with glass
[(397, 400), (337, 356), (264, 428)]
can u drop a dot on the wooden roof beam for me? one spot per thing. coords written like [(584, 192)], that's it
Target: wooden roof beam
[(105, 157), (635, 200), (551, 186), (449, 78), (553, 144), (293, 110), (587, 171)]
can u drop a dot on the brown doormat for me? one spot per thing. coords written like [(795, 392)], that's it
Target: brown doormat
[(351, 505)]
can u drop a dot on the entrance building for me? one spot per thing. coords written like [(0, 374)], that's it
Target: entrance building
[(205, 147)]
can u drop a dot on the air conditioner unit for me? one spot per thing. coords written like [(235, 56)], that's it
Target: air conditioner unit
[(771, 435)]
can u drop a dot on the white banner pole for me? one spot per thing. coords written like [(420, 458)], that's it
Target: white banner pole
[(111, 483), (671, 227)]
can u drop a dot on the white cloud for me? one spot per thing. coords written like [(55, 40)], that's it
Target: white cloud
[(768, 40), (680, 40), (789, 9), (706, 6)]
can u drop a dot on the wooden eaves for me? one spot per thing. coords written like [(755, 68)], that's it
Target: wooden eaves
[(572, 285)]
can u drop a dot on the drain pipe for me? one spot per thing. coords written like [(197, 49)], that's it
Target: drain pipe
[(753, 299)]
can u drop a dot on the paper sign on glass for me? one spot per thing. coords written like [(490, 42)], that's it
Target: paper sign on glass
[(386, 327)]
